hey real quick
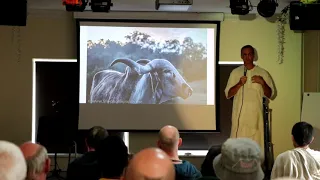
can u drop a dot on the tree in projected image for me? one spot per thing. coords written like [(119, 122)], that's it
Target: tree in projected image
[(188, 57)]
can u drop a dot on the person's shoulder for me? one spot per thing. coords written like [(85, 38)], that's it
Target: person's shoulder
[(187, 162), (190, 166), (314, 153), (185, 165), (285, 155), (88, 157), (263, 72), (260, 69), (237, 70), (187, 169)]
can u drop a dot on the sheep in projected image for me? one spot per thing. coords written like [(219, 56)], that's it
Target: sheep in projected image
[(143, 82)]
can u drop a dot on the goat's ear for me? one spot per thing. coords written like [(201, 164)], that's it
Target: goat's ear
[(141, 90), (129, 72)]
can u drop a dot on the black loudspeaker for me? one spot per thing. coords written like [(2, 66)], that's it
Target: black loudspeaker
[(57, 104), (13, 13), (56, 133), (304, 16)]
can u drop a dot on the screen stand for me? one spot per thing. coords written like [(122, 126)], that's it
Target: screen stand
[(55, 173), (268, 151)]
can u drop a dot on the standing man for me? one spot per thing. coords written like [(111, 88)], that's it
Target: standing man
[(248, 84)]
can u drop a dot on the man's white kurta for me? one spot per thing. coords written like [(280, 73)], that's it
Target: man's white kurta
[(299, 163), (247, 110)]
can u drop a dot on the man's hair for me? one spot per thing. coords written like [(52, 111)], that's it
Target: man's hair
[(247, 47), (13, 165), (96, 135), (36, 163), (113, 157), (302, 133)]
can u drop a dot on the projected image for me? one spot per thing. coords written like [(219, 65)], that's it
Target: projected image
[(144, 65)]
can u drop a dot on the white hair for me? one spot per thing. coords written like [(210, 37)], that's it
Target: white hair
[(36, 163), (12, 163)]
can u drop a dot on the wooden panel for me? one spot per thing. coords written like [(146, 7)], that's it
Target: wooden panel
[(311, 61)]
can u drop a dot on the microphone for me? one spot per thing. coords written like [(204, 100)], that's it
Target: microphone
[(245, 71)]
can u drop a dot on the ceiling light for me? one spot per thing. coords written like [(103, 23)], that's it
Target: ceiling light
[(240, 7), (267, 8), (173, 5), (75, 5)]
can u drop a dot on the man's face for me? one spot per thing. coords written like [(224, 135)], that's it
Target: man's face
[(247, 56)]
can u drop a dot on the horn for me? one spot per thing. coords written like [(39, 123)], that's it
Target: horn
[(133, 65), (143, 61), (159, 63)]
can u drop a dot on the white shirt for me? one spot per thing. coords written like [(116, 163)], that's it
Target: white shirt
[(297, 163), (247, 110)]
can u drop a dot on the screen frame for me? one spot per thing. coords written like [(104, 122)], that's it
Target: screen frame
[(217, 59)]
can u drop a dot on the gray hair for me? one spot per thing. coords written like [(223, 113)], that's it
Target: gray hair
[(36, 163), (13, 165)]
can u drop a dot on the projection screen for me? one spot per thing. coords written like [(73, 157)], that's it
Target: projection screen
[(142, 76)]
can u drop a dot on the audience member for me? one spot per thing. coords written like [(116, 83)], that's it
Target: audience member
[(169, 141), (300, 162), (150, 163), (207, 167), (113, 157), (38, 162), (12, 163), (239, 160), (86, 166)]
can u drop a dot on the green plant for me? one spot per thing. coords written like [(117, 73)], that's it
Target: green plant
[(281, 22), (309, 1)]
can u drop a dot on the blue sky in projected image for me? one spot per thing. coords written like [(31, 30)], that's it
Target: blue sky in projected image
[(95, 33)]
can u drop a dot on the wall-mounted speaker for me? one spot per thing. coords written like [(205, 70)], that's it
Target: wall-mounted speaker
[(13, 13), (304, 16)]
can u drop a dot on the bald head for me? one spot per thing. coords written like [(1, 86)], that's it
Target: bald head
[(169, 138), (29, 149), (150, 163), (12, 163), (38, 162)]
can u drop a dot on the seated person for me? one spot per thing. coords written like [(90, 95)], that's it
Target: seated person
[(38, 161), (113, 157), (207, 167), (12, 163), (86, 166), (240, 159), (150, 163), (300, 162), (169, 141)]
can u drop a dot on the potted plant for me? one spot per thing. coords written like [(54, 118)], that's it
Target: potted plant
[(281, 21)]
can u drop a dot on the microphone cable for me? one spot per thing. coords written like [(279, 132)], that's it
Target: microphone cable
[(245, 74)]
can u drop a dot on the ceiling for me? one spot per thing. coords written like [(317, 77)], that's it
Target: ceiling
[(149, 5)]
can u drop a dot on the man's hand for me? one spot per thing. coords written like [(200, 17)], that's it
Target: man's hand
[(258, 79), (242, 80)]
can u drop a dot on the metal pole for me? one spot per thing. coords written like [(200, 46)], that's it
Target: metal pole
[(267, 142)]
